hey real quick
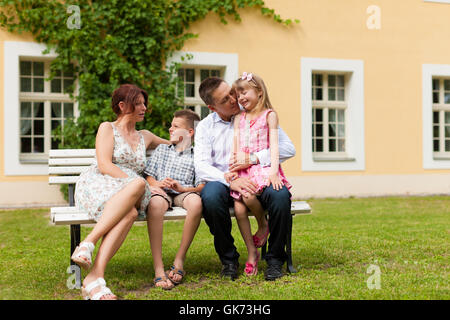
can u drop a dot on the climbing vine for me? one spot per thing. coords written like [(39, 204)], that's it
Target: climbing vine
[(107, 43)]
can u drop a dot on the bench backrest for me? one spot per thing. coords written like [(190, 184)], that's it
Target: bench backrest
[(65, 165)]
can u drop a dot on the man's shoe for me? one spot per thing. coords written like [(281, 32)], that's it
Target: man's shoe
[(273, 271), (230, 271)]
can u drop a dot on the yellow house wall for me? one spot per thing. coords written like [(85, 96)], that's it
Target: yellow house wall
[(412, 33)]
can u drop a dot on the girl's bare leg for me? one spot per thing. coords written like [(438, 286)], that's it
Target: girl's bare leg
[(256, 208), (240, 211)]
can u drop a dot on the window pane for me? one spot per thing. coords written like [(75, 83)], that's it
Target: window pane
[(56, 85), (190, 90), (215, 73), (332, 130), (38, 145), (340, 81), (435, 117), (25, 68), (341, 130), (25, 84), (447, 97), (204, 74), (56, 110), (447, 85), (38, 127), (25, 145), (38, 109), (67, 83), (332, 94), (314, 144), (318, 115), (341, 115), (38, 84), (332, 145), (25, 109), (55, 143), (435, 84), (447, 145), (435, 97), (436, 145), (319, 130), (447, 131), (332, 115), (331, 81), (447, 117), (181, 73), (317, 80), (25, 127), (341, 95), (55, 124), (38, 68), (68, 73), (318, 94), (190, 75), (204, 112), (341, 145), (68, 110), (435, 131), (319, 145)]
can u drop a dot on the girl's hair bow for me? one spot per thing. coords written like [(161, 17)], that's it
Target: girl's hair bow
[(247, 76)]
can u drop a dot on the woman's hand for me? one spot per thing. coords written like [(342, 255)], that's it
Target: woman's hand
[(174, 185), (230, 176), (276, 182)]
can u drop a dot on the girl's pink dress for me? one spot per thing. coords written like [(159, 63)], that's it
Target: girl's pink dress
[(254, 137)]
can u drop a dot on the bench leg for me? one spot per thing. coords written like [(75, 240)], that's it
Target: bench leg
[(75, 235), (290, 267)]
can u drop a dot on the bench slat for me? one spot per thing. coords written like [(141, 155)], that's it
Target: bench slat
[(67, 170), (63, 180), (71, 153), (71, 161), (72, 215)]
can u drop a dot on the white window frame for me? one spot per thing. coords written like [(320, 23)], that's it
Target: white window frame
[(354, 159), (438, 1), (14, 51), (430, 159), (227, 62), (197, 101)]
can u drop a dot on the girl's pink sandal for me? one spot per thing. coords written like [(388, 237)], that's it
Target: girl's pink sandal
[(251, 269), (259, 242)]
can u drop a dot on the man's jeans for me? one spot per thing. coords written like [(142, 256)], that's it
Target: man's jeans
[(216, 203)]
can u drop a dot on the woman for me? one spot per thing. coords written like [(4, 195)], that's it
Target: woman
[(113, 190)]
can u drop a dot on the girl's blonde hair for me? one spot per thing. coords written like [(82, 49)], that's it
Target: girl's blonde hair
[(256, 82)]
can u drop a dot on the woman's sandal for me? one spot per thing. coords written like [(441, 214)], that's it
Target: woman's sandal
[(175, 270), (251, 269), (259, 242), (82, 255), (163, 279), (104, 290)]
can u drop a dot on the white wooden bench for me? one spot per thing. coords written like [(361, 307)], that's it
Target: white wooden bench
[(64, 167)]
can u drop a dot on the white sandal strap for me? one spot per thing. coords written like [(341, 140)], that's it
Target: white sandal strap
[(94, 284), (88, 245), (103, 292)]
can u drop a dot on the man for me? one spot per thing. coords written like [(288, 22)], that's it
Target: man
[(212, 151)]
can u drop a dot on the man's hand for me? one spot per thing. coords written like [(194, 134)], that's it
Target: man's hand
[(230, 176), (244, 186)]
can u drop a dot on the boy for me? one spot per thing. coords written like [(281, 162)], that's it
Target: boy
[(170, 172)]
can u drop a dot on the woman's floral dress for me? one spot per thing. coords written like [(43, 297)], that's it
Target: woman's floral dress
[(93, 189)]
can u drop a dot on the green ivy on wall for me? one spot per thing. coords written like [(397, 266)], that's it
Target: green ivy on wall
[(118, 41)]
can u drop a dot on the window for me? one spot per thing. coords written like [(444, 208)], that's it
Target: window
[(441, 117), (436, 116), (332, 114), (192, 77), (328, 114), (43, 107)]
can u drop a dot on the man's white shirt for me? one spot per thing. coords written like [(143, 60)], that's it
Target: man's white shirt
[(214, 143)]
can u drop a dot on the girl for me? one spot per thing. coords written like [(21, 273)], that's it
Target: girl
[(255, 129)]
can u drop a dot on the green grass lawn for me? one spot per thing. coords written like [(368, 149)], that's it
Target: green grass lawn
[(407, 238)]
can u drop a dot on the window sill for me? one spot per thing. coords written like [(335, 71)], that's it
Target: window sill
[(34, 161), (437, 158), (333, 159)]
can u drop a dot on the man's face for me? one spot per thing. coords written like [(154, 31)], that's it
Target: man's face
[(225, 103)]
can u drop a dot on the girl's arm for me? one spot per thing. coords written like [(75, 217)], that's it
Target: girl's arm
[(104, 148), (272, 121)]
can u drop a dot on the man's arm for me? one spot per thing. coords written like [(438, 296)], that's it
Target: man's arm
[(286, 150), (204, 169)]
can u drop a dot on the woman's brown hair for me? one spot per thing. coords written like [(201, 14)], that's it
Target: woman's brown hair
[(128, 94)]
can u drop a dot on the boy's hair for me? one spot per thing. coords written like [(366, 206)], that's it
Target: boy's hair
[(190, 116), (207, 87)]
